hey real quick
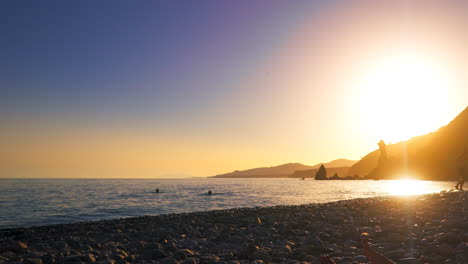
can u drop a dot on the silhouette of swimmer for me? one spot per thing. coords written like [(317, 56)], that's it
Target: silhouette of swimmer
[(157, 190), (209, 192), (462, 164), (371, 254)]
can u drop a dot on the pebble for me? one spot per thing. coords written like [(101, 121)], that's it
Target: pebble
[(420, 229)]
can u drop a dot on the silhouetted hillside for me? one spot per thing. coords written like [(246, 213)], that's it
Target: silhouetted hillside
[(282, 171), (431, 156), (336, 163)]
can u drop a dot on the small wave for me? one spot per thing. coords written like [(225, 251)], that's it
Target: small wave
[(213, 194), (106, 199)]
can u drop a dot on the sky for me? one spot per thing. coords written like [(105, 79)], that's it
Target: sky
[(198, 88)]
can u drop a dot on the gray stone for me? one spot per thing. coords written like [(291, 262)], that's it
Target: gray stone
[(360, 259), (395, 254), (154, 253), (445, 250), (190, 261), (34, 261), (310, 258), (290, 261), (73, 258), (89, 258), (411, 260), (17, 246), (183, 253), (168, 261), (260, 255)]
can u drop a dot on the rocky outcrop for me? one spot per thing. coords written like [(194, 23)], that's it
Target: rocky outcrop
[(428, 157), (321, 173)]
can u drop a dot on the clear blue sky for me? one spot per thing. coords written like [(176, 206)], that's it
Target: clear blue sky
[(168, 56)]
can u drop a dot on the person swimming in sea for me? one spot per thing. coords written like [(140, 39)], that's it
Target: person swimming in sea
[(156, 191), (209, 192)]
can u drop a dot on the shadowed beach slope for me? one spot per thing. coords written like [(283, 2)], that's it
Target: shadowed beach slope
[(428, 157), (418, 229)]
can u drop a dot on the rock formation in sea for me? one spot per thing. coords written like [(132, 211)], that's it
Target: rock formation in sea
[(321, 173)]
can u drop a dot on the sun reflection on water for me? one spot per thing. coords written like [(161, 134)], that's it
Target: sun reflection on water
[(409, 187)]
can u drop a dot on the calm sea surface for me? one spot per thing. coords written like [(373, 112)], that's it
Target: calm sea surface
[(30, 202)]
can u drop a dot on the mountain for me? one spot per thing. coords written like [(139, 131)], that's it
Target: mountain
[(281, 171), (266, 172), (336, 163), (429, 157), (340, 171)]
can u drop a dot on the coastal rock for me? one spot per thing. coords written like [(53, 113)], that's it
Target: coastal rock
[(154, 253), (287, 249), (17, 246), (396, 237), (89, 258), (191, 244), (445, 250), (34, 261), (461, 252), (48, 259), (106, 261), (450, 238), (395, 254), (209, 259), (235, 239), (290, 261), (360, 259), (73, 258), (410, 260), (190, 261), (183, 253), (258, 261), (260, 255), (62, 245), (310, 258)]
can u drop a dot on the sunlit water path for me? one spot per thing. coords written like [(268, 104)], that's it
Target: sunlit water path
[(29, 202)]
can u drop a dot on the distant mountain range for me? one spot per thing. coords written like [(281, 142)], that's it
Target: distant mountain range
[(427, 157), (331, 171), (284, 171), (430, 157)]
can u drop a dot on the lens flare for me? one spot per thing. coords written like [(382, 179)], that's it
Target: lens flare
[(410, 187)]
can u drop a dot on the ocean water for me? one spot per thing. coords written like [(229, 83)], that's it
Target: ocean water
[(32, 202)]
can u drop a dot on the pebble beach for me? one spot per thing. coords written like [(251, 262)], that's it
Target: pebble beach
[(430, 228)]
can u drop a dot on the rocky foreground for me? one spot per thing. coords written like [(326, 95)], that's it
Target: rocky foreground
[(419, 229)]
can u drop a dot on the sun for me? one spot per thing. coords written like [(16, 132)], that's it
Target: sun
[(404, 95)]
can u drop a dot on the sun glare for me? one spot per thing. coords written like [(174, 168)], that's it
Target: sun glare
[(409, 187), (404, 96)]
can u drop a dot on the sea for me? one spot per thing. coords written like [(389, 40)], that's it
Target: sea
[(37, 202)]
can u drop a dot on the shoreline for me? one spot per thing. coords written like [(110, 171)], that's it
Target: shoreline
[(429, 228)]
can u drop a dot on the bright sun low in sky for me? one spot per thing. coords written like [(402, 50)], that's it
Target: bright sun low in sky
[(403, 95), (176, 88)]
